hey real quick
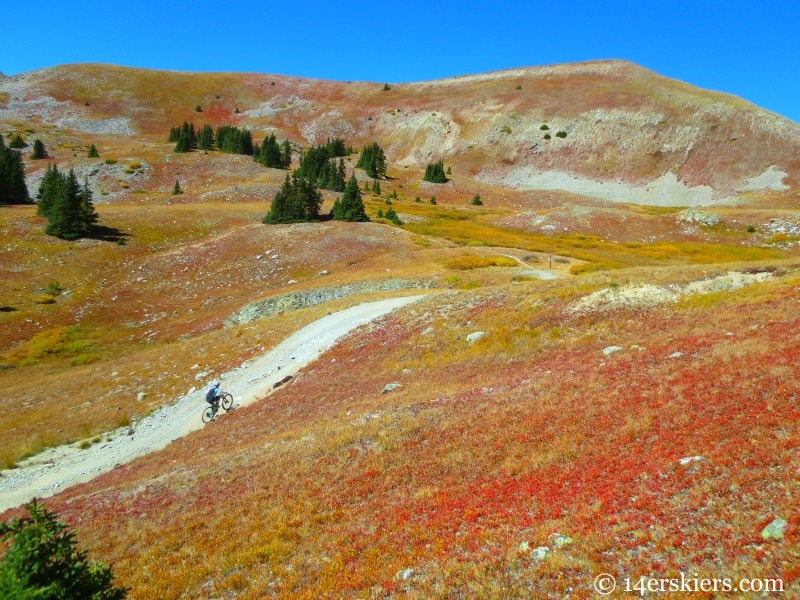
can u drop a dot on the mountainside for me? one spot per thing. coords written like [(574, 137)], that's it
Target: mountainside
[(628, 134), (592, 366)]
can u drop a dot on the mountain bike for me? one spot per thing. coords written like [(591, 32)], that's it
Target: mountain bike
[(224, 400)]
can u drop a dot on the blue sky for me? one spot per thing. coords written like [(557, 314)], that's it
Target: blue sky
[(749, 49)]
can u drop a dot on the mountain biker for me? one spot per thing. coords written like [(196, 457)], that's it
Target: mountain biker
[(212, 394)]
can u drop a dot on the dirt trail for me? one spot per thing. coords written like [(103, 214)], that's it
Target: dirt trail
[(58, 468)]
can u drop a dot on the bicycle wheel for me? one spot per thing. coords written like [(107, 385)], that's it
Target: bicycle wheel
[(208, 414), (227, 401)]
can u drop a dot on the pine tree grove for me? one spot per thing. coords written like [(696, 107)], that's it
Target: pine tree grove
[(13, 189), (66, 204), (373, 161), (351, 206), (434, 173)]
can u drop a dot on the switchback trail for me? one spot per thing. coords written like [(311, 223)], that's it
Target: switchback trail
[(58, 468)]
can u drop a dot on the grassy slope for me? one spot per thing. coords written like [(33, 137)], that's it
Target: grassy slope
[(334, 488), (329, 489)]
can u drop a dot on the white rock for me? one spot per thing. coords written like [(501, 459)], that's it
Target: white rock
[(474, 337), (689, 459), (611, 349), (675, 355), (540, 553)]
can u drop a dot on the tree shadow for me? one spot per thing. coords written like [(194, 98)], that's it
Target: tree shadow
[(105, 233)]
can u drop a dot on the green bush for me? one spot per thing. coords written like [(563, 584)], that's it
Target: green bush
[(505, 129), (544, 127), (43, 562), (561, 134), (751, 229), (476, 200)]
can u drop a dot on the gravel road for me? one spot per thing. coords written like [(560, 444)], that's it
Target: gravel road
[(58, 468)]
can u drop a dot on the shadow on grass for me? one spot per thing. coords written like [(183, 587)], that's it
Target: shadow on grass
[(107, 234)]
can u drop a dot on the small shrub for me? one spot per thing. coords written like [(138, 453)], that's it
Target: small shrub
[(519, 87), (751, 229), (124, 185), (236, 111), (547, 136), (386, 87), (53, 288), (505, 129), (476, 200), (417, 199), (561, 134), (111, 161), (198, 108), (433, 200), (129, 171), (121, 241), (45, 299), (135, 165), (85, 444), (544, 127)]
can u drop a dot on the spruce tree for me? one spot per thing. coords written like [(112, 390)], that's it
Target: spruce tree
[(205, 139), (351, 206), (376, 188), (66, 204), (43, 562), (434, 173), (177, 188), (39, 151), (476, 200), (13, 189), (373, 161), (93, 152), (17, 142)]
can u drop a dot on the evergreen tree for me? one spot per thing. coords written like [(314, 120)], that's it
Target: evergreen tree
[(476, 200), (233, 140), (177, 188), (434, 173), (93, 152), (17, 142), (44, 563), (205, 139), (297, 200), (376, 188), (351, 206), (286, 154), (39, 151), (373, 161), (269, 154), (13, 189), (433, 199), (391, 216), (174, 134), (66, 204), (88, 214), (187, 138), (48, 190)]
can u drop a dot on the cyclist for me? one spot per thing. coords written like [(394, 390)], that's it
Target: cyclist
[(212, 394)]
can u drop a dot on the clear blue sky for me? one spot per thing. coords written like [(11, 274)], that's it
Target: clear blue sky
[(747, 48)]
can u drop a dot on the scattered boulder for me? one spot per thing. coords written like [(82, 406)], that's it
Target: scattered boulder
[(474, 337), (389, 387), (540, 553), (675, 355), (524, 547), (697, 216), (559, 539), (611, 349), (691, 459), (140, 396), (774, 531)]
